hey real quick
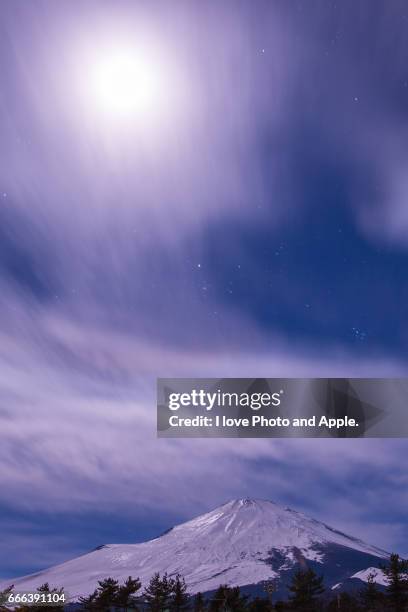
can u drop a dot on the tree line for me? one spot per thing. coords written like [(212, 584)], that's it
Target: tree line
[(169, 594)]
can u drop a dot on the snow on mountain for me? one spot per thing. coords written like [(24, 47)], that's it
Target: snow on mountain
[(240, 543), (377, 574)]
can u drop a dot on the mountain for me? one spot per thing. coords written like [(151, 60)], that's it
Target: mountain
[(379, 576), (243, 542)]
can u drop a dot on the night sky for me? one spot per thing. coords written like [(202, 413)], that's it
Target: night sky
[(246, 216)]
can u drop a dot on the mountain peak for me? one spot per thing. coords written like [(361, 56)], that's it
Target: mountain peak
[(250, 502), (244, 541), (256, 524)]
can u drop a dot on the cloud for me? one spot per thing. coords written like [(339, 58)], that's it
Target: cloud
[(78, 433), (104, 252), (82, 178)]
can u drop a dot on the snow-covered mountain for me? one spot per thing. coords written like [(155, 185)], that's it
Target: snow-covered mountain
[(376, 573), (243, 542)]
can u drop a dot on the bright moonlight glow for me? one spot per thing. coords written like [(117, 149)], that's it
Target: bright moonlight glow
[(129, 85), (124, 84)]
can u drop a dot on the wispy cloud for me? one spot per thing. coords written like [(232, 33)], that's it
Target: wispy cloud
[(78, 434), (127, 255)]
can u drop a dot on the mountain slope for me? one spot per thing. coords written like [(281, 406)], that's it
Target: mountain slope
[(240, 543)]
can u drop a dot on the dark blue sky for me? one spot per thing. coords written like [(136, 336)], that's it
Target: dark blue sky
[(249, 220)]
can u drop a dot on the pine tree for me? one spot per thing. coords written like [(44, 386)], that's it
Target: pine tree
[(180, 598), (89, 603), (371, 597), (107, 592), (397, 587), (228, 598), (3, 598), (158, 593), (109, 595), (236, 601), (218, 602), (306, 587), (125, 598), (45, 588), (199, 603)]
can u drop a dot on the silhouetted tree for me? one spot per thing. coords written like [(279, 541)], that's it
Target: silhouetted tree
[(228, 598), (89, 603), (200, 605), (125, 598), (397, 583), (371, 598), (107, 592), (158, 593), (3, 598), (110, 596), (180, 598), (306, 587)]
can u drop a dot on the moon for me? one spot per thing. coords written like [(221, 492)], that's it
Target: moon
[(127, 88), (124, 84)]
